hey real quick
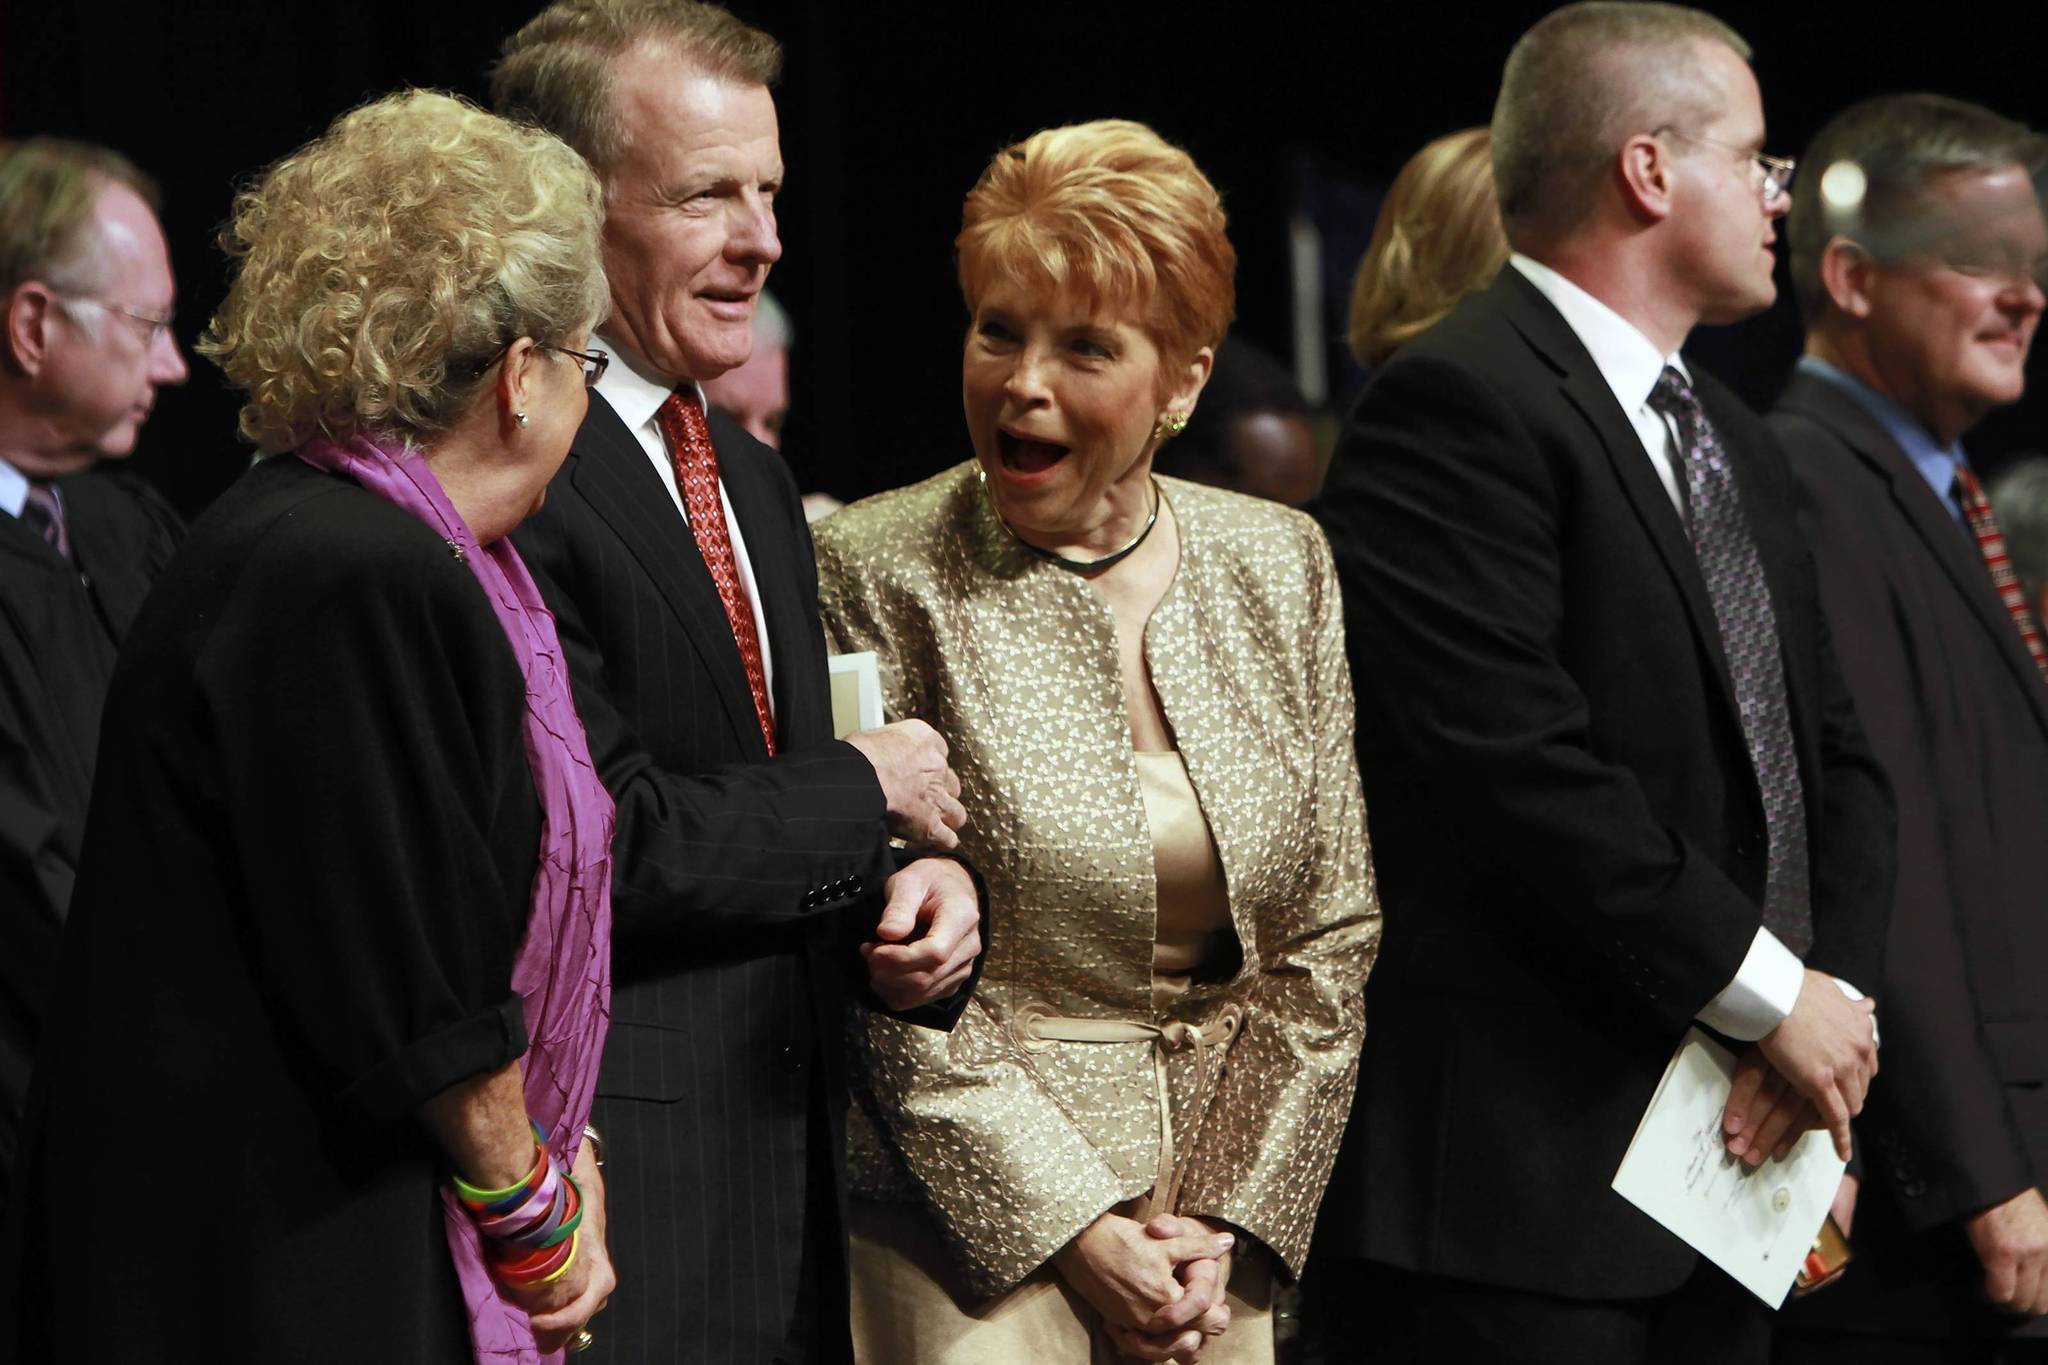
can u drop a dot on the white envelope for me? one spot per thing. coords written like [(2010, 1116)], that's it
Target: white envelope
[(1756, 1224), (856, 692)]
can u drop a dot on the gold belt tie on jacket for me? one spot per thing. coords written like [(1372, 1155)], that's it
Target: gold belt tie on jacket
[(1036, 1028)]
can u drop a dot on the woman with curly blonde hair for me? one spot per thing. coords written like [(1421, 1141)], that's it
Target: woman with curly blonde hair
[(337, 969), (1438, 238)]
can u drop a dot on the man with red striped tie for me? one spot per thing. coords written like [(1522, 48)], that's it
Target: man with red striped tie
[(1918, 254)]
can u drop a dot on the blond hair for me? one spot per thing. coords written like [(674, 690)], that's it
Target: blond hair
[(1111, 212), (1581, 82), (1438, 238), (556, 71), (383, 266), (48, 188)]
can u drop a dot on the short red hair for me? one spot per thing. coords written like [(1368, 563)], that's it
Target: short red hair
[(1114, 213)]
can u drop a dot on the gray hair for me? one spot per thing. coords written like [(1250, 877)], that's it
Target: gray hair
[(48, 190), (557, 70), (1583, 81), (1902, 145), (2020, 498), (772, 327)]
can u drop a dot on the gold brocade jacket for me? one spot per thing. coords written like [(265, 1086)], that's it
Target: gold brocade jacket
[(1014, 660)]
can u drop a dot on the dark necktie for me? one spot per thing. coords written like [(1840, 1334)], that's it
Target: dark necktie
[(1991, 544), (43, 514), (696, 468), (1749, 637)]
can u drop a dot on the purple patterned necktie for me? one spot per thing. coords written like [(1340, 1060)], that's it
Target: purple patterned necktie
[(1749, 637), (43, 514)]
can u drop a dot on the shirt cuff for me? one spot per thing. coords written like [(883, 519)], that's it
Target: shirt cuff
[(1764, 990)]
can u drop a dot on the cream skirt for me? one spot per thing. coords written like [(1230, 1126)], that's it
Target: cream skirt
[(908, 1308)]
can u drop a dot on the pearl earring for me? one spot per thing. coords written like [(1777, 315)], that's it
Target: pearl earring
[(520, 417)]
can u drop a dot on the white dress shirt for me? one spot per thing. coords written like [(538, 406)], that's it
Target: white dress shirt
[(13, 490), (636, 397), (1766, 986)]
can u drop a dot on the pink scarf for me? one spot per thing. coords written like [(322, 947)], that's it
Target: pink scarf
[(563, 970)]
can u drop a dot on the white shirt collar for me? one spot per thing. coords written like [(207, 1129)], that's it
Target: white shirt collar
[(634, 392), (1626, 359), (13, 490)]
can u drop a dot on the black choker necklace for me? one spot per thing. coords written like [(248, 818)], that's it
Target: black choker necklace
[(1079, 566)]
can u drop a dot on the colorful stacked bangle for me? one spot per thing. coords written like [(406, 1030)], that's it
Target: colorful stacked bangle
[(530, 1229)]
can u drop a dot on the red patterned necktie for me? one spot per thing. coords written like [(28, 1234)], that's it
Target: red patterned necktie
[(1991, 541), (696, 468)]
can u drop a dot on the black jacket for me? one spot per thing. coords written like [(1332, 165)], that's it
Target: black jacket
[(1568, 831)]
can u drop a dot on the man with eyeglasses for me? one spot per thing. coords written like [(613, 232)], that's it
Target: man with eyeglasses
[(1617, 785), (1918, 252), (85, 296)]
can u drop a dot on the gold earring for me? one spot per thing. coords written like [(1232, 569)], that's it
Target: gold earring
[(1170, 425)]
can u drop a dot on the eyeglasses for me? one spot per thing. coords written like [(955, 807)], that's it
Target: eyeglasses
[(1772, 174), (156, 323), (594, 362), (1999, 264)]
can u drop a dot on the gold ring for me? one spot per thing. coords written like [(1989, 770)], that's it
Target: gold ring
[(581, 1341)]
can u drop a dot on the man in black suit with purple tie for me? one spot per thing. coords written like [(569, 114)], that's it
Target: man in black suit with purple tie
[(1617, 785), (86, 293), (753, 851)]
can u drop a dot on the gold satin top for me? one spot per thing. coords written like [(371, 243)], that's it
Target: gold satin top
[(1193, 925), (1016, 1143)]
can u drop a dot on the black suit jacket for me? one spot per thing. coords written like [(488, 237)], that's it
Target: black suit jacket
[(740, 884), (1567, 830), (60, 626), (1958, 713)]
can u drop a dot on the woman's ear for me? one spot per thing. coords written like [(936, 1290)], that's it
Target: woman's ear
[(517, 381), (1181, 397)]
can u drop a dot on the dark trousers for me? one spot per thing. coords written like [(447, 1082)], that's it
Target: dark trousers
[(1356, 1310)]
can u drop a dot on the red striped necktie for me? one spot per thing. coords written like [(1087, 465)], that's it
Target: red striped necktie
[(682, 424), (1991, 542)]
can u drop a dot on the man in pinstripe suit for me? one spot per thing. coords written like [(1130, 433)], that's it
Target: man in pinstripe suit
[(753, 849)]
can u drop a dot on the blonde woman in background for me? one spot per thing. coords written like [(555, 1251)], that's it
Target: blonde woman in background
[(1438, 238), (341, 931), (1143, 684)]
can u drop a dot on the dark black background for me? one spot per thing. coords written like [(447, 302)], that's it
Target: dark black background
[(888, 114)]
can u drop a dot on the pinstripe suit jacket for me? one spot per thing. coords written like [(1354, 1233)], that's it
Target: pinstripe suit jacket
[(740, 882)]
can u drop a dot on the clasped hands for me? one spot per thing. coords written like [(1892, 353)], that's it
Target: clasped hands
[(1159, 1285), (1812, 1071)]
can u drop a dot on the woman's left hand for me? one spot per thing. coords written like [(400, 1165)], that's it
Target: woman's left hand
[(1180, 1330), (583, 1291)]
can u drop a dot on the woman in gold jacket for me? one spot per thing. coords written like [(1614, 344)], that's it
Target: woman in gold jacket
[(1144, 687)]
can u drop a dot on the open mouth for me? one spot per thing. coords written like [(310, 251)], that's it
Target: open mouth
[(1021, 455)]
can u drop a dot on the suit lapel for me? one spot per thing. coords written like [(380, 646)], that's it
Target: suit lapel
[(1586, 390), (614, 476), (1952, 547)]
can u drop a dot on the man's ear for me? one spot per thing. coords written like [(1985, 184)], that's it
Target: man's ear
[(1848, 274), (30, 309), (1644, 168)]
